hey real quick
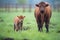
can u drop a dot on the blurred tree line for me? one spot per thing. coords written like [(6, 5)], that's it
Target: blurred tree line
[(24, 3), (57, 5)]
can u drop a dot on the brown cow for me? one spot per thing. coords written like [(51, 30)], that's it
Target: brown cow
[(43, 14), (18, 22)]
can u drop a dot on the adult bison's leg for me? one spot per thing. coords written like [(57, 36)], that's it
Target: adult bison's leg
[(40, 26), (47, 25), (41, 29)]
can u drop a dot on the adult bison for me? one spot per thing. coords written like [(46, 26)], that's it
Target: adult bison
[(18, 22), (43, 14)]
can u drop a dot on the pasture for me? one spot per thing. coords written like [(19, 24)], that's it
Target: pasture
[(30, 31)]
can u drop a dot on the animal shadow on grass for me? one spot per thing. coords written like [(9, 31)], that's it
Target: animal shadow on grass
[(8, 39), (25, 39), (28, 23), (58, 31), (26, 28), (1, 20)]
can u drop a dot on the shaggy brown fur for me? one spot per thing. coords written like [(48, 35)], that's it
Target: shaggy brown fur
[(18, 22), (43, 14)]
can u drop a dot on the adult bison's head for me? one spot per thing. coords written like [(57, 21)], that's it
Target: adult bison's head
[(42, 6)]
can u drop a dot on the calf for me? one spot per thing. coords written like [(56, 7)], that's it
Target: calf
[(18, 22)]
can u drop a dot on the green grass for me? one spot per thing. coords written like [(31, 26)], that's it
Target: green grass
[(7, 28)]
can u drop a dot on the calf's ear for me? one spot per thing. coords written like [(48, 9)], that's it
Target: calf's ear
[(37, 5)]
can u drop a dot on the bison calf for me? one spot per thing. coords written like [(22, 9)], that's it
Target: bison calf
[(18, 22)]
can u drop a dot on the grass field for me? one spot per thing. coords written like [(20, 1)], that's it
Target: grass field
[(30, 31)]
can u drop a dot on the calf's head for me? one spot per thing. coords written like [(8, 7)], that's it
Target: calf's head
[(21, 18), (42, 6)]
